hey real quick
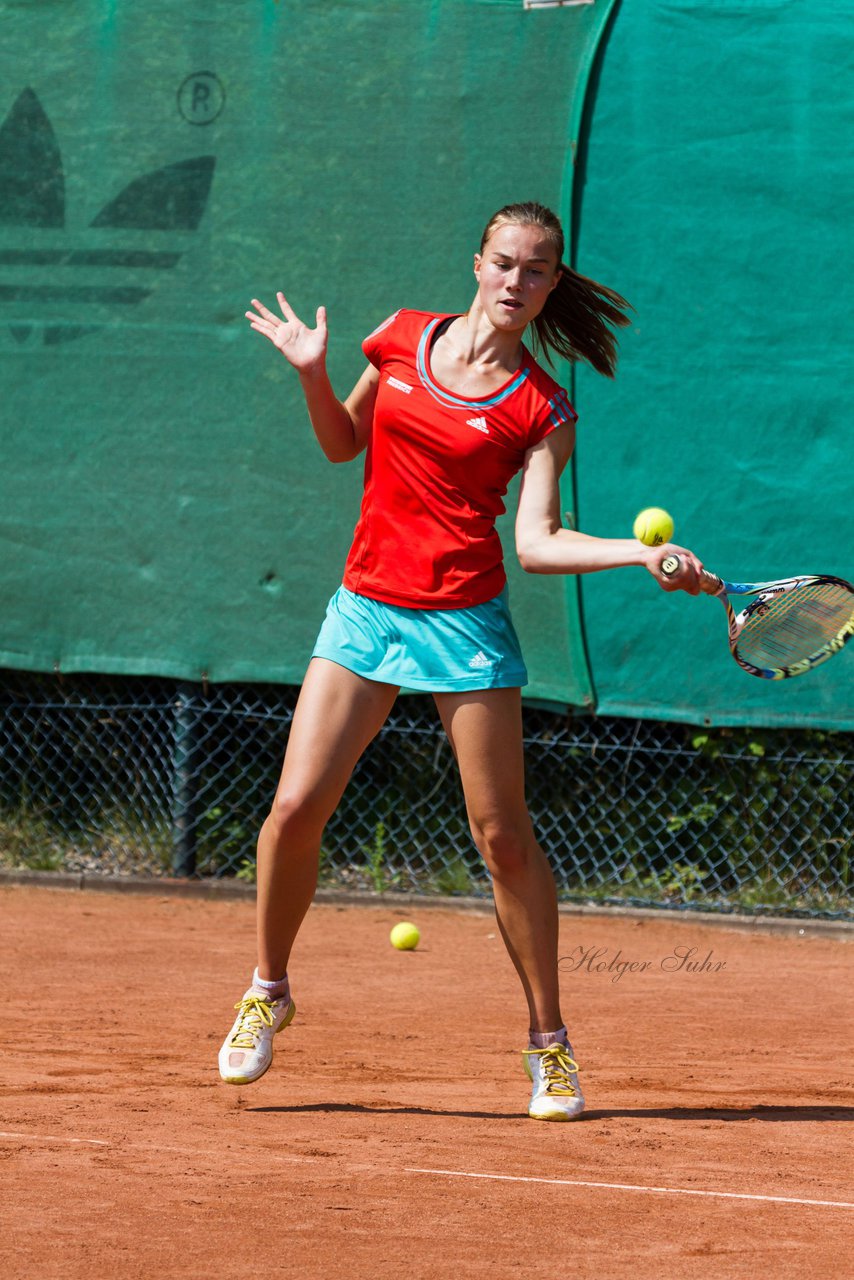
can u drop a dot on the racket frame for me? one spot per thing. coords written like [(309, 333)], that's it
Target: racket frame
[(712, 585)]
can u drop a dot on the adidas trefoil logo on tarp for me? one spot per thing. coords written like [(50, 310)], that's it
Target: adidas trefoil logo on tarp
[(45, 269), (479, 424), (480, 662)]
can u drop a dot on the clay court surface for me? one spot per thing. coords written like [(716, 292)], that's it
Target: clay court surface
[(390, 1136)]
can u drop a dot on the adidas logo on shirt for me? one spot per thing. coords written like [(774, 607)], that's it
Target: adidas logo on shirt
[(479, 424), (480, 662), (398, 385)]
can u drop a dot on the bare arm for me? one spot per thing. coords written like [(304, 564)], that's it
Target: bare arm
[(543, 546), (342, 428)]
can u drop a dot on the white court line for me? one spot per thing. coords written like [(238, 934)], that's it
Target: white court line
[(457, 1173), (46, 1137), (624, 1186)]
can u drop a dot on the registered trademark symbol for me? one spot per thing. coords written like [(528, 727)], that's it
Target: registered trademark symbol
[(201, 97)]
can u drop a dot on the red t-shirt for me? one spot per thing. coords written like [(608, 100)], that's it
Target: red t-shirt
[(436, 472)]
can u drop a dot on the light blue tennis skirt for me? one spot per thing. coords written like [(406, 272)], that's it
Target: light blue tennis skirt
[(436, 650)]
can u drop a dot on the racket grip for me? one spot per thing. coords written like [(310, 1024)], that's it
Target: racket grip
[(710, 583)]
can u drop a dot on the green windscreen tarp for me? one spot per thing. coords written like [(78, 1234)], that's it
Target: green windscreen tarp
[(164, 507), (717, 194)]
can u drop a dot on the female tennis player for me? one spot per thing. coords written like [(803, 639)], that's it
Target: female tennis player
[(449, 408)]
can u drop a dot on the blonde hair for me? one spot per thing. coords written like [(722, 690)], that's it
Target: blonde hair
[(579, 317)]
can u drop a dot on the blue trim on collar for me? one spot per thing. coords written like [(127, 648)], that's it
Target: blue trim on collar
[(447, 398)]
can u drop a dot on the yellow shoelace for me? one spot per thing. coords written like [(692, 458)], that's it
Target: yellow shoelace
[(254, 1013), (557, 1066)]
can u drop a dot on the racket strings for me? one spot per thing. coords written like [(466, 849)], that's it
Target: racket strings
[(795, 624)]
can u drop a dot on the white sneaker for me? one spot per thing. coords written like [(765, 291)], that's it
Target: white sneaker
[(556, 1094), (248, 1048)]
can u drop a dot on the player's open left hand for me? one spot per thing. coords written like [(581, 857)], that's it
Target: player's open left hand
[(690, 568), (301, 346)]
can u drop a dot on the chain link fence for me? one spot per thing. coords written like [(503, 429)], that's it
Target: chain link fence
[(108, 776)]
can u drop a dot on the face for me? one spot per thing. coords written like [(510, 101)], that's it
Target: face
[(516, 273)]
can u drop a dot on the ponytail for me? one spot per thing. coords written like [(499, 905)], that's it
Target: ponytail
[(577, 321)]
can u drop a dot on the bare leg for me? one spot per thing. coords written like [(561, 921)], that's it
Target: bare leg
[(485, 731), (337, 715)]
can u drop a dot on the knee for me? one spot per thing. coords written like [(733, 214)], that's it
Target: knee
[(506, 850), (294, 814)]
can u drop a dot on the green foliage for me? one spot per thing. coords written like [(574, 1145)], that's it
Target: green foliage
[(27, 843), (380, 876), (222, 840), (701, 814), (455, 878), (713, 743), (26, 838), (247, 872), (680, 882)]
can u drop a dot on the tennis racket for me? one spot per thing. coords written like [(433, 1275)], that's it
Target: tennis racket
[(789, 627)]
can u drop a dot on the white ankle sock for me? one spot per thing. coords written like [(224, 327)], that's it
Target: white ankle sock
[(542, 1039), (279, 990)]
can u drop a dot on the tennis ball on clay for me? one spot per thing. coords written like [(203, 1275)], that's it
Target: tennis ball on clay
[(653, 526), (404, 936)]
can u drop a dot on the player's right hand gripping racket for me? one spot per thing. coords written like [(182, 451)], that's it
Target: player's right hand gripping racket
[(790, 627)]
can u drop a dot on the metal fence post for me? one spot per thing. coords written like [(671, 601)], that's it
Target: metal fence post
[(185, 762)]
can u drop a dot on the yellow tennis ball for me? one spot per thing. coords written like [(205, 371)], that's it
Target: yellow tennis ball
[(653, 526), (404, 936)]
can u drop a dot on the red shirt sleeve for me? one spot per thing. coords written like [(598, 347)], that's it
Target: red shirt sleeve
[(556, 411), (374, 344)]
